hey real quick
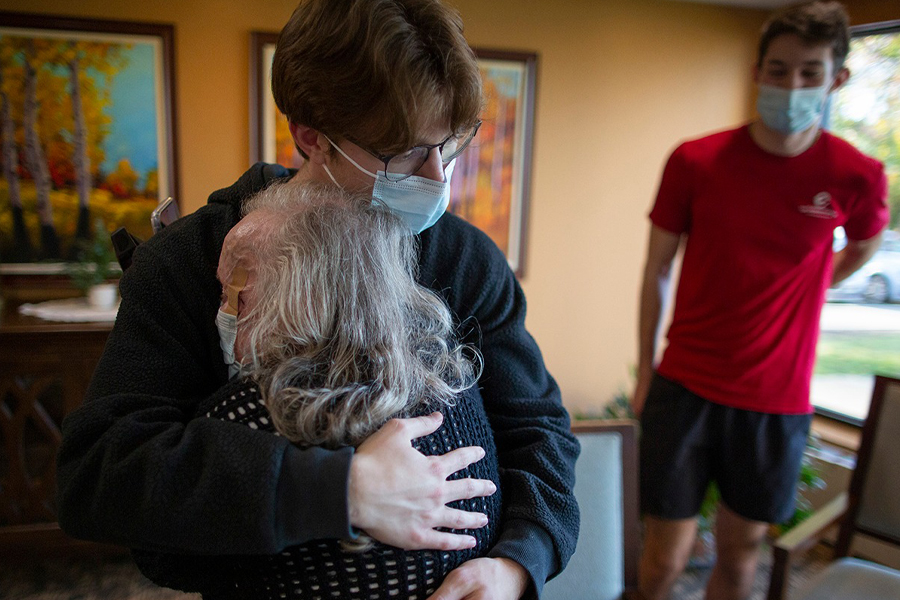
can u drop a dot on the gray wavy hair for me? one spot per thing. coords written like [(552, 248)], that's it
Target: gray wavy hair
[(342, 338)]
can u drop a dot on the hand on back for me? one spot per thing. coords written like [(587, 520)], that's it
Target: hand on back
[(398, 496)]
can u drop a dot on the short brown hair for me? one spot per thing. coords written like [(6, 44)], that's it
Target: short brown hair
[(376, 71), (815, 22)]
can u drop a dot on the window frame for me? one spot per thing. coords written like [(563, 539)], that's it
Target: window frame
[(856, 31)]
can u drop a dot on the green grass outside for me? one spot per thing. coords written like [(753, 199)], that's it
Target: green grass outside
[(858, 353)]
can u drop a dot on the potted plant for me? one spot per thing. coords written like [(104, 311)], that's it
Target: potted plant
[(96, 268)]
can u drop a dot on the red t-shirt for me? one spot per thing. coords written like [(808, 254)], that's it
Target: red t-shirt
[(758, 261)]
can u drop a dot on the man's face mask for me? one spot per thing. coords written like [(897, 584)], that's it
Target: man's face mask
[(791, 110), (419, 201)]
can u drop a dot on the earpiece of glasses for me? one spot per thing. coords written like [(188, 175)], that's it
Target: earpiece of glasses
[(398, 167)]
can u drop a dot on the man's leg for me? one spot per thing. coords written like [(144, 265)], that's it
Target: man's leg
[(737, 553), (674, 473), (759, 462), (667, 548)]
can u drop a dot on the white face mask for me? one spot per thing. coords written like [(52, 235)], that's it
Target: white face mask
[(227, 325), (227, 318), (791, 111), (419, 201)]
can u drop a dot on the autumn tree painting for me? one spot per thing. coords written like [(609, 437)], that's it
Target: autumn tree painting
[(489, 181), (483, 173), (78, 122), (272, 129)]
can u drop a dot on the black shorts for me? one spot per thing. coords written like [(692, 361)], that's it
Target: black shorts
[(687, 441)]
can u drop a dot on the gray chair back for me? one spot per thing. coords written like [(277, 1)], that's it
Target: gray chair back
[(879, 506), (875, 487), (604, 565)]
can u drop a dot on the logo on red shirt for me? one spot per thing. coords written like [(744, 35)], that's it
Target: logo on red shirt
[(820, 207)]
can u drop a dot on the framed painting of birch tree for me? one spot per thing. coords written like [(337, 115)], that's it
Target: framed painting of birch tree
[(87, 125), (491, 181)]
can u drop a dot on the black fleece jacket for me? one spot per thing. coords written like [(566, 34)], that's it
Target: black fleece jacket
[(140, 467)]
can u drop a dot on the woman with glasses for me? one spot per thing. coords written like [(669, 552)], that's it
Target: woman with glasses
[(381, 96)]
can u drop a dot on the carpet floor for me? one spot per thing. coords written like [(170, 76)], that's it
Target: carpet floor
[(117, 578), (692, 584), (108, 578)]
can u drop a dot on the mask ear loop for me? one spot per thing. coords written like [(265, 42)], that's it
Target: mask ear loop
[(352, 162), (333, 180)]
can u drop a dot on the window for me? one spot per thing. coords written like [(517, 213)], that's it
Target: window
[(860, 327)]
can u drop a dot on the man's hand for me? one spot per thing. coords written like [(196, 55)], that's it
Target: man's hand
[(854, 255), (398, 495), (484, 579), (661, 249), (641, 389)]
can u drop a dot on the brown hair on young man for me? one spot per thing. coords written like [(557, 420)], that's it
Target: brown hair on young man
[(376, 72), (815, 23)]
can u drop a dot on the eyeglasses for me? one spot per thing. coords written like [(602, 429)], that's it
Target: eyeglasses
[(398, 167)]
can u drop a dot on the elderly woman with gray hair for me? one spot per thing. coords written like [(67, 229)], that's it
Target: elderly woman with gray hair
[(329, 337)]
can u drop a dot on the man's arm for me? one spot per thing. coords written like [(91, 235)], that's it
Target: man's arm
[(854, 255), (536, 450), (139, 466), (661, 250)]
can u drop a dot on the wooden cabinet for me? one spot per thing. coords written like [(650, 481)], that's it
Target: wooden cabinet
[(45, 368)]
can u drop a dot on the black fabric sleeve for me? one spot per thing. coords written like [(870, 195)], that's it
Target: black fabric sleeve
[(530, 546), (138, 468), (535, 446)]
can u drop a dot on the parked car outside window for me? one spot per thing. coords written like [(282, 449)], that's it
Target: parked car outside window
[(876, 282)]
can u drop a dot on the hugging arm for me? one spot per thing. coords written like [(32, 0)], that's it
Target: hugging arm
[(138, 468), (536, 449), (139, 464)]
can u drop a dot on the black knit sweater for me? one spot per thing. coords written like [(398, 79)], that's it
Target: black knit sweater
[(138, 468), (322, 569)]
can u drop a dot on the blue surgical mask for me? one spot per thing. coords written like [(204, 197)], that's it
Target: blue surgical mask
[(791, 110), (227, 325), (419, 201)]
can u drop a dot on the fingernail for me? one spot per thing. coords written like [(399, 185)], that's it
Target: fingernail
[(470, 543), (493, 487), (484, 520)]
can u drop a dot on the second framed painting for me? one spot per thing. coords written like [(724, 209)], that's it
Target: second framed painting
[(491, 182), (270, 138)]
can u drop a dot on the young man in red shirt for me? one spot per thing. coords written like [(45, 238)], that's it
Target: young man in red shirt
[(758, 205)]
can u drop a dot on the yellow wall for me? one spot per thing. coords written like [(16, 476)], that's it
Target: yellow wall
[(619, 83)]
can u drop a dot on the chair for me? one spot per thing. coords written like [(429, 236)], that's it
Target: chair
[(872, 507), (604, 566)]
